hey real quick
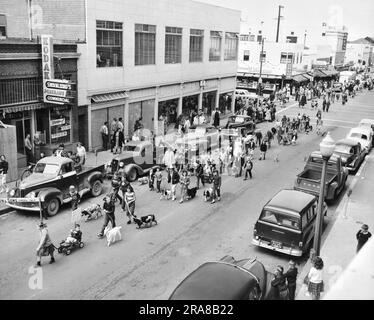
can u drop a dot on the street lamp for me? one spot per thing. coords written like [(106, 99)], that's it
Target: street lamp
[(326, 148)]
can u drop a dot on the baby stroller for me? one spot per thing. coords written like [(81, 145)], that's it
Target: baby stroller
[(73, 241)]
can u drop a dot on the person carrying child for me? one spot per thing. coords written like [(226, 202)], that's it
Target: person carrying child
[(158, 176), (45, 247), (109, 209), (129, 200)]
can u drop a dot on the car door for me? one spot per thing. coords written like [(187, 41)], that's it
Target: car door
[(68, 177)]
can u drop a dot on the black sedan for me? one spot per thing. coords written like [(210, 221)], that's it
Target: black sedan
[(227, 279), (351, 153), (242, 122)]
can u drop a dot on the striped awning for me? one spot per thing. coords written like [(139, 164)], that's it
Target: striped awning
[(23, 107), (100, 98), (300, 78)]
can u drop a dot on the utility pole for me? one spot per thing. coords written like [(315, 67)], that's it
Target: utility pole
[(279, 18), (260, 77)]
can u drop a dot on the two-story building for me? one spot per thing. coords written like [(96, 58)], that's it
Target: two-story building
[(149, 59)]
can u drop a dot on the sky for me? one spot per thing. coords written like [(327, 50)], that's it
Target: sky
[(301, 15)]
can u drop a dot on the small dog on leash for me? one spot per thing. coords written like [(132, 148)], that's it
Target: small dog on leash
[(191, 193), (145, 221), (165, 194), (92, 212), (208, 195), (143, 181), (113, 235)]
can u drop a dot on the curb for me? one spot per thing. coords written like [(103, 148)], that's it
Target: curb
[(5, 211)]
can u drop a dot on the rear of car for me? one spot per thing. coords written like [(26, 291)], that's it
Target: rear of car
[(281, 226)]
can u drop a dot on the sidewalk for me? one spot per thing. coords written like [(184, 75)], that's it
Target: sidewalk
[(339, 245)]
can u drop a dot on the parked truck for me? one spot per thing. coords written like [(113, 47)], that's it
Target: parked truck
[(309, 180)]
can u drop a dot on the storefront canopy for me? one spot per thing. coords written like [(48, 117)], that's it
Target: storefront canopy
[(100, 98), (300, 78), (23, 107)]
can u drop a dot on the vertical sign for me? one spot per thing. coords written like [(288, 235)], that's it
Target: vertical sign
[(47, 62), (289, 70)]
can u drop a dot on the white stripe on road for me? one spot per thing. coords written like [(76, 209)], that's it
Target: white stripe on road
[(289, 107)]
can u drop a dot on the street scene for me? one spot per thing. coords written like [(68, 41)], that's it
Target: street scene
[(193, 151)]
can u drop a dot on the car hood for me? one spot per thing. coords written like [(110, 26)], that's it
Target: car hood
[(35, 179), (124, 156)]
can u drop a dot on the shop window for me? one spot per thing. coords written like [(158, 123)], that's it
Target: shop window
[(173, 45), (60, 123), (145, 44), (196, 45), (231, 46), (286, 57), (246, 55), (20, 90), (215, 46), (3, 28), (108, 44)]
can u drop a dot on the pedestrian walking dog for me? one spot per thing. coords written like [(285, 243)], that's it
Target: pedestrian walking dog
[(145, 221), (92, 212)]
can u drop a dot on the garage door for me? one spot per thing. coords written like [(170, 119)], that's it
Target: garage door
[(97, 120)]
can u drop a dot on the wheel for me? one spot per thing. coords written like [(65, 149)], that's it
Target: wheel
[(53, 206), (59, 250), (132, 175), (96, 188), (68, 252), (25, 174), (81, 244)]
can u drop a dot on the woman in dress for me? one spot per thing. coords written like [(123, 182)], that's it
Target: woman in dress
[(315, 279)]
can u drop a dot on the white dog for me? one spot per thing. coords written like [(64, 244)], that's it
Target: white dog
[(112, 234)]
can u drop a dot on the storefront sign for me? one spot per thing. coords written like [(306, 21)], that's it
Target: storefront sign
[(58, 84), (59, 135), (47, 57), (57, 122), (55, 92), (289, 70), (56, 100), (63, 128)]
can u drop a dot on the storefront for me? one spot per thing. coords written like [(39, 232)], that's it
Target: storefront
[(190, 103), (209, 102), (225, 100), (143, 111), (168, 111)]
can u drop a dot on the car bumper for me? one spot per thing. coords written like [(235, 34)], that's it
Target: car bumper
[(25, 206), (285, 250)]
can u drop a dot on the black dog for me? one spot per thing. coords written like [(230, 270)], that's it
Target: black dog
[(145, 221), (191, 193)]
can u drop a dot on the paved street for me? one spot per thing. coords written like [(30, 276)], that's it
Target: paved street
[(149, 263)]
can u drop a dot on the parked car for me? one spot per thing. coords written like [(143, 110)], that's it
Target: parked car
[(351, 153), (200, 138), (244, 123), (287, 222), (368, 123), (50, 181), (139, 158), (227, 279), (363, 135), (309, 180)]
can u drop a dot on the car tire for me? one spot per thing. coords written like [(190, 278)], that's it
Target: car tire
[(96, 188), (132, 175), (53, 206), (81, 245), (68, 252)]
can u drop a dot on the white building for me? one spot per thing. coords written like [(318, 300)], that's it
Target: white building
[(336, 37), (359, 53), (144, 59)]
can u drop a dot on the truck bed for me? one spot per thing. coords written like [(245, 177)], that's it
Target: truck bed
[(315, 175), (86, 170)]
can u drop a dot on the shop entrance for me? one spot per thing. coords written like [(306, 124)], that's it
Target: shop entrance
[(190, 103), (209, 102), (167, 111)]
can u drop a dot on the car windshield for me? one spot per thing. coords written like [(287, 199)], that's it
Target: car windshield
[(130, 148), (47, 168), (358, 135), (280, 219), (239, 120), (343, 148)]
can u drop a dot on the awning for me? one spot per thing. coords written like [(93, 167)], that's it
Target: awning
[(330, 73), (319, 73), (23, 107), (100, 98), (299, 78)]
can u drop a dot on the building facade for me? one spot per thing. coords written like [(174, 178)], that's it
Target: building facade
[(149, 59), (359, 53), (336, 37), (21, 77)]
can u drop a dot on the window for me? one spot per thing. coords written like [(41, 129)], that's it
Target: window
[(286, 57), (280, 219), (263, 56), (173, 45), (215, 46), (60, 123), (246, 55), (2, 26), (145, 44), (20, 90), (108, 44), (196, 45), (231, 46)]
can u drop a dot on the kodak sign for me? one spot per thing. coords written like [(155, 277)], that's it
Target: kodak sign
[(47, 62)]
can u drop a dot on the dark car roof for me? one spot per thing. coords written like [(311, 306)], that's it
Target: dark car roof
[(215, 281), (347, 142), (291, 200)]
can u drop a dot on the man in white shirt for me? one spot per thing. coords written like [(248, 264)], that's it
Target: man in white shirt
[(81, 152), (105, 135)]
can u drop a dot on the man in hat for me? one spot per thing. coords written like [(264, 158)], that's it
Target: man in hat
[(291, 276), (362, 236), (109, 209), (45, 246)]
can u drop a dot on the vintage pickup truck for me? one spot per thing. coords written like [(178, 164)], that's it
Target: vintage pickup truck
[(310, 179), (139, 157), (50, 181)]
